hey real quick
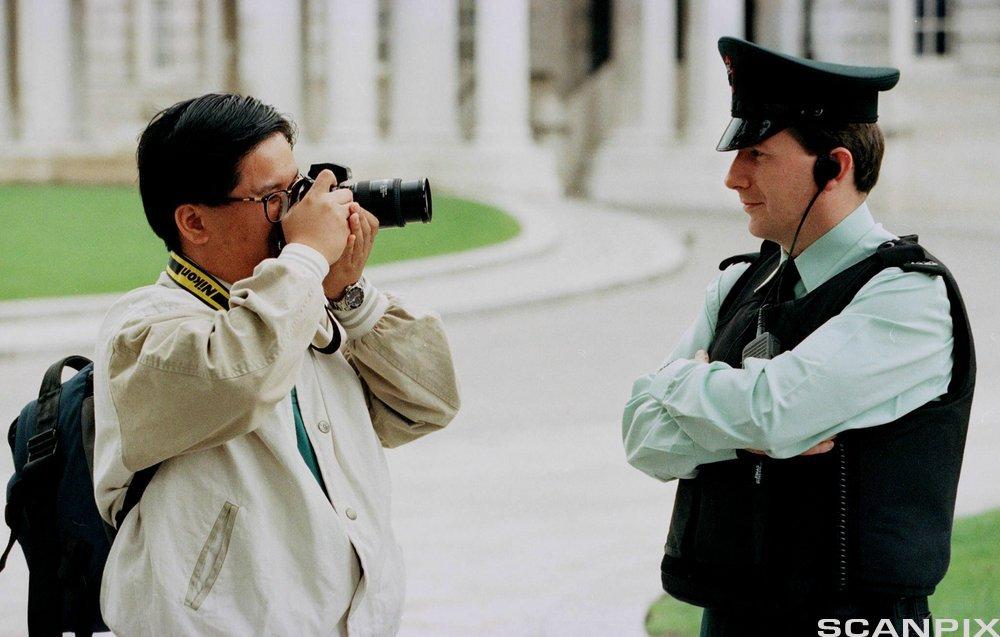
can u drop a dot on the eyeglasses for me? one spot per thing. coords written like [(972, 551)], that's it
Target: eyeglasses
[(277, 203)]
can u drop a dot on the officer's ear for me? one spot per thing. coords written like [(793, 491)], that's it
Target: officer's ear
[(190, 220), (845, 160)]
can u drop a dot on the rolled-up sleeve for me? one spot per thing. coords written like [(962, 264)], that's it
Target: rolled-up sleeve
[(887, 353), (654, 442)]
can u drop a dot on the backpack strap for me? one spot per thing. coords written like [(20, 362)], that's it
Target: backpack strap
[(40, 480), (9, 509), (134, 493), (43, 443), (6, 551)]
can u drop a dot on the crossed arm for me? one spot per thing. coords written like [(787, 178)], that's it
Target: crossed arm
[(886, 354)]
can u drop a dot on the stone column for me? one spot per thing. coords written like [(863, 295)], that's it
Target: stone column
[(424, 52), (896, 110), (503, 73), (708, 94), (352, 71), (779, 25), (901, 33), (270, 52), (5, 105), (659, 70), (214, 47), (645, 41), (625, 84), (45, 73)]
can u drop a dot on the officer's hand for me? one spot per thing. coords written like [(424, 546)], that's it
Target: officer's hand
[(320, 219), (351, 264), (822, 447)]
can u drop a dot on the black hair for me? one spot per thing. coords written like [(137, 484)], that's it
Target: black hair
[(191, 152), (865, 141)]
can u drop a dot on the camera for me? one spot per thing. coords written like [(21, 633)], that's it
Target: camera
[(394, 202)]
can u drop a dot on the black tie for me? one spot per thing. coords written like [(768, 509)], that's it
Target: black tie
[(788, 277)]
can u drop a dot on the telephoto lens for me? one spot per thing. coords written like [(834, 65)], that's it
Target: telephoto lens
[(394, 202)]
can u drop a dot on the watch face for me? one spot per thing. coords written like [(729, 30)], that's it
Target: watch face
[(354, 297)]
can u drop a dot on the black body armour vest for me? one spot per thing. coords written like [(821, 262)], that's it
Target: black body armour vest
[(874, 515)]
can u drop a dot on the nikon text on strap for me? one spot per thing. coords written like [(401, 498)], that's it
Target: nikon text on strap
[(201, 284), (213, 293)]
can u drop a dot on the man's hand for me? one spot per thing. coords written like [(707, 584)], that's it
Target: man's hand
[(351, 265), (320, 220), (822, 447), (702, 357)]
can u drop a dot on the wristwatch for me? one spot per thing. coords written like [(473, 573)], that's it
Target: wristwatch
[(354, 296)]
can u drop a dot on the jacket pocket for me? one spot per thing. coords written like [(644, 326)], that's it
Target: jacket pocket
[(213, 554)]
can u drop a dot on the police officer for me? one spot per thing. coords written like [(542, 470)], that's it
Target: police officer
[(815, 412)]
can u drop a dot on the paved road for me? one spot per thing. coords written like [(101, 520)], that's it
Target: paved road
[(523, 518)]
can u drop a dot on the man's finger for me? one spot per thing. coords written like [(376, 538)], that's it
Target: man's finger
[(701, 356), (341, 196), (352, 239), (361, 228), (371, 226), (324, 181), (822, 447)]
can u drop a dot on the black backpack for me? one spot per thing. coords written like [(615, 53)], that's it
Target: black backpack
[(51, 509)]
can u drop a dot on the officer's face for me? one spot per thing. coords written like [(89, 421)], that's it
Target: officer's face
[(774, 181)]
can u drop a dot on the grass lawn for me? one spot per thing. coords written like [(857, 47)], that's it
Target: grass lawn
[(971, 588), (61, 240)]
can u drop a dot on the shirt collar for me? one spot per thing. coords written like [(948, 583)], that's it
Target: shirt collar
[(827, 255)]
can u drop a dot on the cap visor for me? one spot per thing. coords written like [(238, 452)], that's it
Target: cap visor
[(746, 132)]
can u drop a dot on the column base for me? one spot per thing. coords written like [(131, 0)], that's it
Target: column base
[(668, 177), (465, 169), (76, 165)]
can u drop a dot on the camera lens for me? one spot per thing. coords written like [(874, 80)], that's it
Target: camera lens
[(395, 202)]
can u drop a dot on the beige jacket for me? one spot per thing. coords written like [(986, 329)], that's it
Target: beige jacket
[(234, 536)]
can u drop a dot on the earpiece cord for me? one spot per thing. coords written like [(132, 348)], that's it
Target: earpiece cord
[(781, 275)]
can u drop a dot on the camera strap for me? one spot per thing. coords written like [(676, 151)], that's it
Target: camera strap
[(205, 287), (213, 293)]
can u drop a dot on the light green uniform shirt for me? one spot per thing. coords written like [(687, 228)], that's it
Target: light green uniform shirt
[(887, 353)]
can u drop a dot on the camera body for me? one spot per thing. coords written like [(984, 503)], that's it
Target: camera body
[(394, 202)]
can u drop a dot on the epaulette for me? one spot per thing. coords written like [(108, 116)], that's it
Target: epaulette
[(749, 257), (908, 255), (766, 248)]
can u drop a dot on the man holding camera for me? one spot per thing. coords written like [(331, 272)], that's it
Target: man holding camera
[(260, 376), (815, 412)]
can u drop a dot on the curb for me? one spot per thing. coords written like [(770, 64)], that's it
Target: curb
[(537, 235), (669, 259), (71, 323)]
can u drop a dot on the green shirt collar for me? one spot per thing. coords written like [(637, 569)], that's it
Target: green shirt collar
[(847, 243)]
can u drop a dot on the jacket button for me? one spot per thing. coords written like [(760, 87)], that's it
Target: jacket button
[(351, 514), (324, 426)]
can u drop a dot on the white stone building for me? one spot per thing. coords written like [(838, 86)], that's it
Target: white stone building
[(615, 99)]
